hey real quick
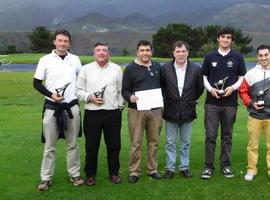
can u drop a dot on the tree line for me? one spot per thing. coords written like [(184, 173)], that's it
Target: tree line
[(200, 39)]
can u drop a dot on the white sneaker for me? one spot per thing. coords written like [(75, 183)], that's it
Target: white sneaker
[(249, 176)]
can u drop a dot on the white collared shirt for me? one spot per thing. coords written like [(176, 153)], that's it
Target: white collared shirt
[(180, 74), (223, 53), (57, 72)]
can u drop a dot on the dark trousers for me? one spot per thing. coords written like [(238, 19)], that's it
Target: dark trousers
[(225, 116), (96, 122)]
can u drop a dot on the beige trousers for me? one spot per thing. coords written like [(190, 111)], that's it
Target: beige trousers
[(255, 126), (138, 122), (51, 136)]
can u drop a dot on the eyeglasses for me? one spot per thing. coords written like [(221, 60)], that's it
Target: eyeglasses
[(150, 72)]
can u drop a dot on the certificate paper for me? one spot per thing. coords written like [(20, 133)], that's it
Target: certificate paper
[(148, 99)]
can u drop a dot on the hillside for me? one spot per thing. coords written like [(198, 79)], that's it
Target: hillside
[(248, 16), (128, 15), (123, 22), (82, 43)]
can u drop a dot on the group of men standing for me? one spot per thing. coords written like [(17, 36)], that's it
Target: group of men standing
[(104, 88)]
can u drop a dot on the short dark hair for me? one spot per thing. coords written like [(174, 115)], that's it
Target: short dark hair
[(102, 43), (261, 47), (62, 32), (226, 30), (144, 43), (180, 43)]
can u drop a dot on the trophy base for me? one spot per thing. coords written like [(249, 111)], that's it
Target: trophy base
[(260, 103), (221, 93)]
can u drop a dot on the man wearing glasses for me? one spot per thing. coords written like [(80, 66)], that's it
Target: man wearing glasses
[(142, 74)]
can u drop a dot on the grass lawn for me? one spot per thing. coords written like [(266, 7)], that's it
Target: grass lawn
[(21, 154), (33, 58)]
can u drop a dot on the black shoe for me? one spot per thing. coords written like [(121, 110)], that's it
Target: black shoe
[(168, 174), (227, 172), (90, 181), (207, 173), (186, 173), (133, 179), (115, 179), (155, 175)]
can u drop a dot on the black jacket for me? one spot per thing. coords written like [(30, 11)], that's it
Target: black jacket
[(176, 108)]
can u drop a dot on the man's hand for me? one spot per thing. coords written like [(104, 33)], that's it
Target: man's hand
[(133, 99), (258, 106), (96, 100), (56, 98), (228, 91), (214, 92)]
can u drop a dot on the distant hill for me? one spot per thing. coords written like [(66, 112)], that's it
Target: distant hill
[(26, 18), (123, 22), (82, 43), (130, 15), (248, 16), (96, 22)]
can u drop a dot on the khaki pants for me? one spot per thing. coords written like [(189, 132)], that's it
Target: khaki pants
[(51, 136), (138, 121), (254, 130)]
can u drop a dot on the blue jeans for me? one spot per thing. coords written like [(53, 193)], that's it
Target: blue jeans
[(172, 130)]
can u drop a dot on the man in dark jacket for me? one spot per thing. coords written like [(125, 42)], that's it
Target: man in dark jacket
[(182, 85)]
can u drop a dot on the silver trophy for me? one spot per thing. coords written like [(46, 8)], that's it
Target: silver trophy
[(220, 86), (100, 93), (60, 91), (260, 96)]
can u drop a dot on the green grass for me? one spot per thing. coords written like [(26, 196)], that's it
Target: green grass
[(33, 58), (21, 154)]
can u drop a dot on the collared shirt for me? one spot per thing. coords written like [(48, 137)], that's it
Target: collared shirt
[(137, 61), (223, 53), (180, 74), (57, 72), (93, 77)]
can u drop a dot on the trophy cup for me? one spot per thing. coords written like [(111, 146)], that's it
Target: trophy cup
[(220, 86), (100, 93), (60, 91), (260, 96)]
